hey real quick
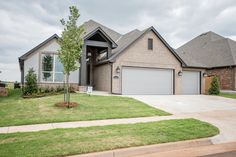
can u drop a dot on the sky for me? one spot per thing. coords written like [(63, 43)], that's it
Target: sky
[(26, 23)]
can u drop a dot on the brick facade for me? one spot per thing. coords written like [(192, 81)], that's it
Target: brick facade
[(227, 77)]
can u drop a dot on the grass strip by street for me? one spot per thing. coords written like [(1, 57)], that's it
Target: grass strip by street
[(15, 110), (61, 142)]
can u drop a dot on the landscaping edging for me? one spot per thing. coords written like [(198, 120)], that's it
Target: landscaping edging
[(141, 150)]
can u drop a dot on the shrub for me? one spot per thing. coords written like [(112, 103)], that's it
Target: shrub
[(31, 83), (51, 90), (215, 86), (59, 89), (16, 85), (46, 90)]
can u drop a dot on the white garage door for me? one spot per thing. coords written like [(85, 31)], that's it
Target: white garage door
[(191, 82), (146, 81)]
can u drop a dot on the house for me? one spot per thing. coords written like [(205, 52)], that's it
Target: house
[(214, 53), (138, 62)]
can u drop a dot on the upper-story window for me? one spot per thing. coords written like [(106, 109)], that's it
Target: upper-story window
[(52, 68), (150, 44)]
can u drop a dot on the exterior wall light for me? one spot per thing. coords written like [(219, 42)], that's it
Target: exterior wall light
[(204, 74), (180, 73), (118, 69)]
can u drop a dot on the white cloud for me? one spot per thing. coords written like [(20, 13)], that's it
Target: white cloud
[(9, 72), (26, 23)]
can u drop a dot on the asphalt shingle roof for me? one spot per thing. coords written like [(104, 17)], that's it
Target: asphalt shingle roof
[(121, 41), (208, 50), (91, 25)]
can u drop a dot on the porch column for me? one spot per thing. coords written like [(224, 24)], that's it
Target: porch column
[(83, 67)]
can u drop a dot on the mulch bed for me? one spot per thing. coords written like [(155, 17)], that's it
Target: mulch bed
[(64, 104), (39, 95)]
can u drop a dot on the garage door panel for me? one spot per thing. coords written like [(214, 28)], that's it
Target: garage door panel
[(147, 81), (191, 82)]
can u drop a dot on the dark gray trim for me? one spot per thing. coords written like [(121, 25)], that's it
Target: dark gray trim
[(111, 75), (195, 67), (112, 58), (38, 46), (114, 45), (221, 67), (96, 43), (225, 66), (150, 44), (22, 72), (83, 67), (24, 56)]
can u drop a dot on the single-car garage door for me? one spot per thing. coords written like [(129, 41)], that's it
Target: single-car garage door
[(147, 81), (191, 82)]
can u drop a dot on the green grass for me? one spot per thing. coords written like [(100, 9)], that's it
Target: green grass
[(228, 95), (15, 110), (61, 142)]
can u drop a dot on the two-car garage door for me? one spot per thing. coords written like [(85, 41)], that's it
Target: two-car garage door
[(147, 81), (153, 81)]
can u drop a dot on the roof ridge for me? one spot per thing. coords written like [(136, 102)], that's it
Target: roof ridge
[(103, 26)]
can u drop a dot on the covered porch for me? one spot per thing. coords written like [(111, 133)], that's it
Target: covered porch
[(96, 51)]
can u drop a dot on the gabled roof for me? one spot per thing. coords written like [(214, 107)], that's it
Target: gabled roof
[(99, 29), (91, 25), (54, 36), (129, 38), (208, 50), (119, 42)]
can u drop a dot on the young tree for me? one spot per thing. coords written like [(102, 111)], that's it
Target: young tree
[(215, 86), (31, 83), (71, 42)]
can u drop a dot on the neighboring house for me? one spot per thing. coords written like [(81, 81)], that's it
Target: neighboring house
[(138, 62), (214, 53)]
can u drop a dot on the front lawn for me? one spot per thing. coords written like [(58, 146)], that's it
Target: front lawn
[(15, 110), (61, 142), (228, 95)]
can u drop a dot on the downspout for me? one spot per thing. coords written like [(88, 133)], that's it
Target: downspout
[(111, 75)]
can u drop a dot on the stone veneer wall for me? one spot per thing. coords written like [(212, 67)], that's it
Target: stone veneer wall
[(226, 75), (102, 78)]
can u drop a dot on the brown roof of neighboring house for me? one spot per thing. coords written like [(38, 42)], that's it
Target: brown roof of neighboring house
[(208, 50)]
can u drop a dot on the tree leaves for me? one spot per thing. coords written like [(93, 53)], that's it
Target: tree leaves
[(71, 41)]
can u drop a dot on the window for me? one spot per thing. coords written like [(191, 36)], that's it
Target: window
[(52, 69), (150, 44)]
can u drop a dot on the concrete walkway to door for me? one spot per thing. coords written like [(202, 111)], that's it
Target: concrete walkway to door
[(216, 110)]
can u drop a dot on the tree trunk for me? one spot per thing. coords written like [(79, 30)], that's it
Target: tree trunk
[(67, 91)]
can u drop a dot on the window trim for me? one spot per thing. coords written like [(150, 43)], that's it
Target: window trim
[(150, 47), (53, 68)]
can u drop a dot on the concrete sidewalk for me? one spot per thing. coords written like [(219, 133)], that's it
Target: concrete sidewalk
[(48, 126)]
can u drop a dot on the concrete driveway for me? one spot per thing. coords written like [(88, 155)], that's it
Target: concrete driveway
[(216, 110)]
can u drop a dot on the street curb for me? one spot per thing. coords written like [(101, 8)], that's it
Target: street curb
[(141, 150)]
